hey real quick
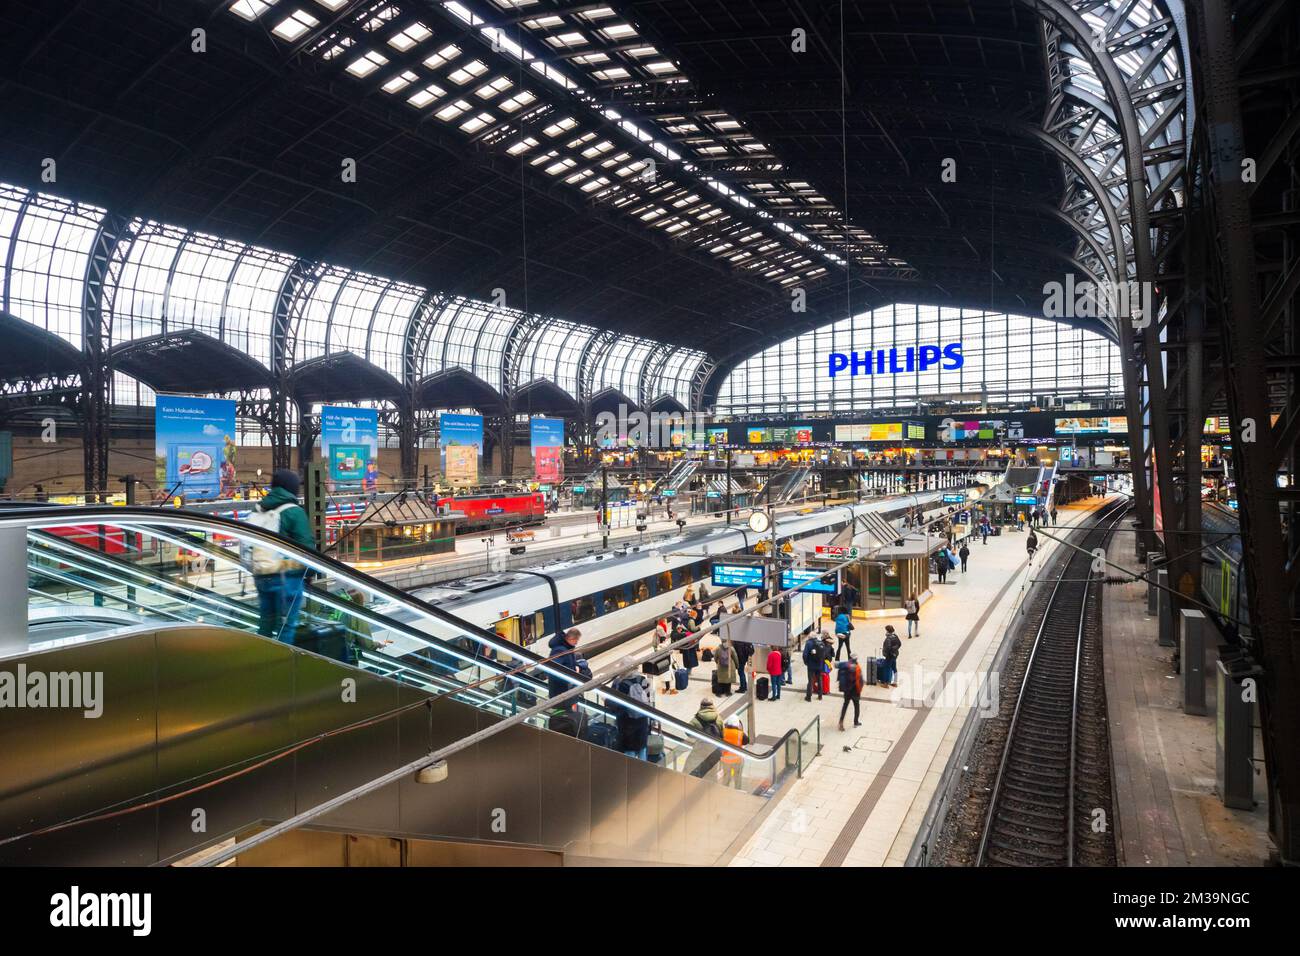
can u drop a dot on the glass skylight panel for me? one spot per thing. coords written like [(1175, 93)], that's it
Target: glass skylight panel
[(660, 67), (403, 40), (251, 9), (381, 17), (520, 99), (591, 152), (515, 4), (522, 146), (562, 40), (556, 168), (493, 88), (452, 110), (618, 31), (332, 5), (588, 59), (426, 96), (344, 44), (600, 13), (367, 63), (642, 51), (294, 25), (595, 184), (464, 74), (443, 57), (613, 73), (560, 126), (400, 81), (544, 23), (477, 123)]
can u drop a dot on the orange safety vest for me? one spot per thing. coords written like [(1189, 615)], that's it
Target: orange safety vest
[(736, 737)]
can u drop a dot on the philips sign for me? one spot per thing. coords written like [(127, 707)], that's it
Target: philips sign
[(890, 362)]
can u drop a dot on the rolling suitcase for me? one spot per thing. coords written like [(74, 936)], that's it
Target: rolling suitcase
[(564, 723), (602, 735), (760, 688), (716, 687), (826, 682), (869, 671), (681, 678)]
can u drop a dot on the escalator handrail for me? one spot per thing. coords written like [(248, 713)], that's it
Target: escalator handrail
[(61, 515)]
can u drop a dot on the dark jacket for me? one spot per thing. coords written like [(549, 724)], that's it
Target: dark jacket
[(892, 646), (293, 520), (814, 652), (567, 656)]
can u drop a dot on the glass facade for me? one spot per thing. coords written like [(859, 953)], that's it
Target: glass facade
[(171, 279), (1007, 358)]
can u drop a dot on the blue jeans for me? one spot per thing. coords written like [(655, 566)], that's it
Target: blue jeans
[(279, 599), (777, 681), (639, 754), (744, 684)]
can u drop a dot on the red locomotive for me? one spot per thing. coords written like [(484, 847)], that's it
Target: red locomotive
[(486, 511)]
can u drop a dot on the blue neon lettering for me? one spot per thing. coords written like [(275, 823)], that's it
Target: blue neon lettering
[(893, 361), (929, 356), (952, 353), (860, 363), (838, 362)]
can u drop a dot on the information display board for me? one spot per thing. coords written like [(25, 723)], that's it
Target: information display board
[(738, 575), (1026, 500), (810, 581)]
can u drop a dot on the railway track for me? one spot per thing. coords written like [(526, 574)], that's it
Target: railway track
[(1047, 793)]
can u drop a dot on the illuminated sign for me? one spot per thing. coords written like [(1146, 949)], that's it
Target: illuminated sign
[(1026, 500), (953, 499), (669, 493), (739, 576), (838, 551), (810, 581), (891, 362), (915, 431), (759, 436), (1104, 425)]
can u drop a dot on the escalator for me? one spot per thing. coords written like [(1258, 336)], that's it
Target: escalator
[(107, 577)]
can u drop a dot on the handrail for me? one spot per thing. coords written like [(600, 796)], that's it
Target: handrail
[(61, 515)]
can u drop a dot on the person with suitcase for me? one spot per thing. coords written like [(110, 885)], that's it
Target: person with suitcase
[(814, 655), (850, 680), (892, 645), (563, 653), (777, 661), (634, 726)]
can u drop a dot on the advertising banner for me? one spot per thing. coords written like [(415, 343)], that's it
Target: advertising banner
[(1108, 425), (461, 440), (717, 436), (194, 446), (546, 437), (349, 442)]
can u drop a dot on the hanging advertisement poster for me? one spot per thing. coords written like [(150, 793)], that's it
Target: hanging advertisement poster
[(546, 436), (194, 447), (461, 439), (349, 440), (717, 436)]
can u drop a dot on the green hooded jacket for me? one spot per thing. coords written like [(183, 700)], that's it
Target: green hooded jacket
[(293, 521)]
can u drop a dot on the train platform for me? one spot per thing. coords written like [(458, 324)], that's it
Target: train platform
[(1164, 759), (863, 800)]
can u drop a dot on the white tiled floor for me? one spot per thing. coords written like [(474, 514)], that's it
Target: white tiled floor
[(801, 830)]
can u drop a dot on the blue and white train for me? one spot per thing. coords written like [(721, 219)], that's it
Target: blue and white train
[(610, 593)]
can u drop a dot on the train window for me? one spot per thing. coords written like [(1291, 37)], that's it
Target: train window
[(688, 574), (566, 616), (584, 609), (665, 582), (641, 593), (614, 599)]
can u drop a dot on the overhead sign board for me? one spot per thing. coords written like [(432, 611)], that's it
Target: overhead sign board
[(955, 499), (841, 552), (1026, 500), (739, 575), (810, 581)]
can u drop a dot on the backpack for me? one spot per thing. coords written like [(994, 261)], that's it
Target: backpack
[(848, 677), (711, 728), (263, 560), (636, 687)]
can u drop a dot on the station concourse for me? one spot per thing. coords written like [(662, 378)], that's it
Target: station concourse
[(745, 434)]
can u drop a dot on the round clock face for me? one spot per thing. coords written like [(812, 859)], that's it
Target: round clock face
[(758, 522)]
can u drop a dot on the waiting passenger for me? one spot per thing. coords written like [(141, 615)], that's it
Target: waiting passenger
[(913, 608), (706, 719), (634, 727), (725, 668), (964, 554), (843, 633), (891, 647), (743, 653), (814, 656), (776, 664)]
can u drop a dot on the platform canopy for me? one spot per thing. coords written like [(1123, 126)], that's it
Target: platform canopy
[(543, 397), (30, 353), (189, 362), (341, 377), (457, 388)]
